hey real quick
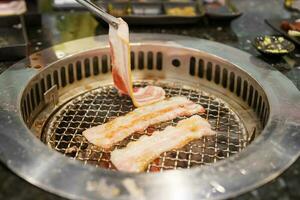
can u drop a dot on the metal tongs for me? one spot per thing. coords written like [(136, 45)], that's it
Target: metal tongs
[(113, 21)]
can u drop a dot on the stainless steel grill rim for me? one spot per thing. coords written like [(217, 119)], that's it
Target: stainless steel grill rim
[(277, 146)]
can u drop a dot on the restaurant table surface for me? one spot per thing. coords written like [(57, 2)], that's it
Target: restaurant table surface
[(58, 27)]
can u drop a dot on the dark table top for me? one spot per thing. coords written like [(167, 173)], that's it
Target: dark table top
[(60, 27)]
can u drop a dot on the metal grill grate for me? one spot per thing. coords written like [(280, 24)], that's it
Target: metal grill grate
[(103, 104)]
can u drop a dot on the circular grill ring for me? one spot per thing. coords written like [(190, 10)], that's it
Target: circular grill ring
[(265, 158)]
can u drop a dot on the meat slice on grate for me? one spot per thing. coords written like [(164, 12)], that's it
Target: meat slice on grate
[(137, 155), (121, 69), (106, 135)]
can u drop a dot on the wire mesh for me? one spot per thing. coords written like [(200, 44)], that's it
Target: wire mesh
[(103, 104)]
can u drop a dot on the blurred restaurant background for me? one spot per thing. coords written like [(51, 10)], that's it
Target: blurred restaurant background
[(27, 27)]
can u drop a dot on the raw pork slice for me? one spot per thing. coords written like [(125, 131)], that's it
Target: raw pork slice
[(121, 68)]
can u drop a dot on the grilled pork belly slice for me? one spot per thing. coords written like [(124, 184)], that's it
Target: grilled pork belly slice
[(106, 135), (137, 155)]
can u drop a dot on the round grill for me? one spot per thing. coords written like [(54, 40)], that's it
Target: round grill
[(69, 89), (103, 104)]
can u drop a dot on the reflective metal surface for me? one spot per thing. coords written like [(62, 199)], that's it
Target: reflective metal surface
[(265, 158)]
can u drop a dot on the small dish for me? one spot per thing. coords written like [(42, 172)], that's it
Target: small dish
[(225, 11), (181, 9), (276, 25), (292, 5), (13, 38), (273, 45), (148, 9), (119, 9)]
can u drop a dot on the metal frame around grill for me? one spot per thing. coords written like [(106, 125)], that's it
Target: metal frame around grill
[(265, 158)]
